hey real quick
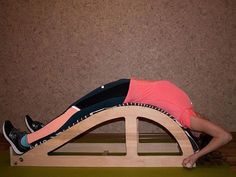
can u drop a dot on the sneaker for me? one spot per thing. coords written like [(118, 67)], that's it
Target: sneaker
[(33, 126), (13, 136)]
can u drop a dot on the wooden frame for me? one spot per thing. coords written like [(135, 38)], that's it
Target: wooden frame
[(38, 156)]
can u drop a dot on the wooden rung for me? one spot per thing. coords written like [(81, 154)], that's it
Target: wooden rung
[(40, 155), (118, 147)]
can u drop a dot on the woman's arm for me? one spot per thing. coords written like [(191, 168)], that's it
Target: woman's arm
[(220, 138)]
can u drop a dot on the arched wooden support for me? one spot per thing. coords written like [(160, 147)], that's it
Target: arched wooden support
[(38, 156)]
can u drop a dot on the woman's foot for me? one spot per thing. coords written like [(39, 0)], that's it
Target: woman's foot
[(32, 125), (13, 136)]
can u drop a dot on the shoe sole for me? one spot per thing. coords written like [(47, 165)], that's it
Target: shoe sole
[(12, 144), (28, 126)]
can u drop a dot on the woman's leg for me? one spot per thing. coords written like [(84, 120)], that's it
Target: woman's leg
[(72, 117), (106, 96), (52, 126)]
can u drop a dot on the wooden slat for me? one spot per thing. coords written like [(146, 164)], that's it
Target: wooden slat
[(119, 147)]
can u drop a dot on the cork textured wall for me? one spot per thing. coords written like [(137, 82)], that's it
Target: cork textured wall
[(53, 52)]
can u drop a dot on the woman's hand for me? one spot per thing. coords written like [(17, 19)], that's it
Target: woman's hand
[(190, 161)]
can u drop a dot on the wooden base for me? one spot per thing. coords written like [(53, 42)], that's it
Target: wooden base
[(39, 156)]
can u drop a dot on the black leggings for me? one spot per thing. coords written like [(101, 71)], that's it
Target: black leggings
[(117, 89), (108, 95)]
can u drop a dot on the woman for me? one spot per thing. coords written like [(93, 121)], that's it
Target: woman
[(163, 94)]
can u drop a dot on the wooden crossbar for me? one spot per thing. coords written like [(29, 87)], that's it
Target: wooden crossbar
[(118, 148), (40, 155)]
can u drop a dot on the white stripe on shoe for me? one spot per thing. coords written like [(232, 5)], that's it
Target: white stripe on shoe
[(28, 126)]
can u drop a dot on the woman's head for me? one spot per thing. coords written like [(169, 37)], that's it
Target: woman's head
[(204, 140), (214, 157)]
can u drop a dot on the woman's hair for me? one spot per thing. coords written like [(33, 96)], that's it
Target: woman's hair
[(204, 140), (212, 158)]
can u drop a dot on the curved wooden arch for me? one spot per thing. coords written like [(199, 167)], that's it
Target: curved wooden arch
[(38, 156)]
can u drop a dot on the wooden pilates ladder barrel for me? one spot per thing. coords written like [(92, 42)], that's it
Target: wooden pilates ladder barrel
[(39, 155)]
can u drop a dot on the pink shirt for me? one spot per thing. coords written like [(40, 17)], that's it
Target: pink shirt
[(162, 94)]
